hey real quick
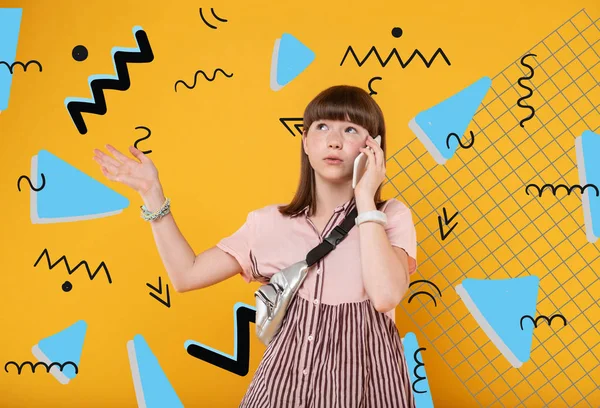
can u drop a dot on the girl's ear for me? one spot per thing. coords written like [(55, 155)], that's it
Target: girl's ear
[(304, 141)]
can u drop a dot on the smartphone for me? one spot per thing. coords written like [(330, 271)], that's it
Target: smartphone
[(360, 165)]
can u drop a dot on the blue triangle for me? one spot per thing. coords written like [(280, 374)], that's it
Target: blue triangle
[(293, 58), (69, 192), (498, 306), (588, 151), (156, 388), (416, 367), (10, 24), (66, 345), (452, 115)]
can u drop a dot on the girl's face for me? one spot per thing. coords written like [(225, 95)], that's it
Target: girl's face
[(341, 139)]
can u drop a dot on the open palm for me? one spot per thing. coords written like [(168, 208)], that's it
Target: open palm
[(140, 175)]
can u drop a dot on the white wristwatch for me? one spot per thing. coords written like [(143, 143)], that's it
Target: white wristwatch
[(373, 215)]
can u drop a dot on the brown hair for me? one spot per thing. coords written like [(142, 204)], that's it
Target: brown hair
[(340, 102)]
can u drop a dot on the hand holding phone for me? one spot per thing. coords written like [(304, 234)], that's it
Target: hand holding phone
[(360, 165)]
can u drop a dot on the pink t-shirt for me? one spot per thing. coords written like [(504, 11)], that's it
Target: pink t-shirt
[(269, 241)]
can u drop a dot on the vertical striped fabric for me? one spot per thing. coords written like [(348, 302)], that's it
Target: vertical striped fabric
[(332, 355), (353, 358)]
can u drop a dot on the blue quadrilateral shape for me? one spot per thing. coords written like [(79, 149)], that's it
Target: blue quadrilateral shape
[(290, 58), (69, 194), (587, 147), (152, 387), (66, 345), (10, 24), (498, 306), (452, 115)]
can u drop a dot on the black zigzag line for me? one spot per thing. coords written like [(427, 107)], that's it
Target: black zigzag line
[(240, 366), (122, 83), (91, 275), (395, 52)]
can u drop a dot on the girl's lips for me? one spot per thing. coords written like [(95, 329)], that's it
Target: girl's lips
[(333, 161)]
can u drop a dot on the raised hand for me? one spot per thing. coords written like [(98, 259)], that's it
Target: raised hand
[(140, 175)]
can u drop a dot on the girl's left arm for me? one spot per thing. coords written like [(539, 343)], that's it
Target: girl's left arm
[(384, 267)]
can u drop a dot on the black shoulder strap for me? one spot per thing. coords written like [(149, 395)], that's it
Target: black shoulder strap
[(336, 236)]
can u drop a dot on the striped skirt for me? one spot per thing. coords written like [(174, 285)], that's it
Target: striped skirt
[(346, 355)]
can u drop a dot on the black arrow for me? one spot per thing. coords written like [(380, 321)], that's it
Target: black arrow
[(297, 126), (159, 290), (240, 361), (446, 222)]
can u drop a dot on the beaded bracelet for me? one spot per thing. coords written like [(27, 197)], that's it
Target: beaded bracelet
[(161, 212)]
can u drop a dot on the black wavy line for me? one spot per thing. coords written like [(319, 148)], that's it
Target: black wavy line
[(420, 378), (395, 52), (69, 270), (11, 66), (33, 366), (122, 83), (526, 87), (426, 281), (30, 184), (464, 146), (214, 15), (371, 90), (549, 320), (422, 293), (143, 138), (554, 189), (196, 76)]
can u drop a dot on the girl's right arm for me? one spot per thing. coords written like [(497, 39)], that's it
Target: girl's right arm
[(186, 270)]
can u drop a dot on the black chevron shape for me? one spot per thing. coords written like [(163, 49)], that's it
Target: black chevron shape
[(159, 290), (122, 83), (240, 361), (446, 222), (298, 126)]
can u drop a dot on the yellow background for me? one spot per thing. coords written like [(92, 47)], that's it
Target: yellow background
[(221, 152)]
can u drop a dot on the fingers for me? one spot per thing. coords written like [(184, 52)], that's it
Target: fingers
[(119, 156), (376, 150), (105, 160), (370, 155)]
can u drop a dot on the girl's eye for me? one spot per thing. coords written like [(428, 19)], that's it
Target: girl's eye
[(349, 127)]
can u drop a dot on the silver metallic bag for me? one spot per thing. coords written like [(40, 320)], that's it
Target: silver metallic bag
[(273, 298)]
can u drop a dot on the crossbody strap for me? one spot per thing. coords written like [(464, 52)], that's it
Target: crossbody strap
[(337, 235)]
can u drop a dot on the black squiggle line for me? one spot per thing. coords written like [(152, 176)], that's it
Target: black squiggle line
[(196, 75), (30, 184), (554, 188), (11, 66), (214, 15), (69, 270), (143, 138), (549, 320), (526, 87), (371, 91), (395, 52), (33, 366), (464, 146), (420, 378), (121, 83), (426, 281), (422, 293)]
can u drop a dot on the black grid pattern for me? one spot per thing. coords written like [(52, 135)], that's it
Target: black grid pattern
[(514, 234)]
